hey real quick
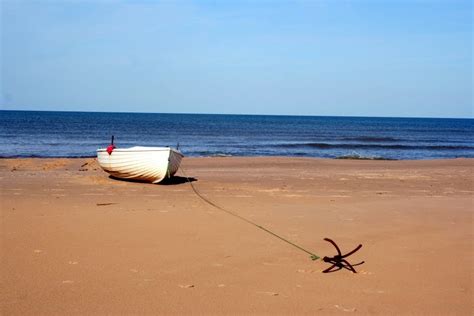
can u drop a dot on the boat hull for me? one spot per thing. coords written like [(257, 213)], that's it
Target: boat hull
[(150, 164)]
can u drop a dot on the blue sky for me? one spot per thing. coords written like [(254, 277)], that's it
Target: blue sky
[(362, 58)]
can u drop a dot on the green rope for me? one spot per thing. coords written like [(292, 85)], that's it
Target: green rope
[(312, 255)]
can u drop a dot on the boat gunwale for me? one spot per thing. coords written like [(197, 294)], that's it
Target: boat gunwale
[(151, 149)]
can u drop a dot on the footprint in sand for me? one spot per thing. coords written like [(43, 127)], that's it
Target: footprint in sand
[(364, 272), (349, 310), (308, 271)]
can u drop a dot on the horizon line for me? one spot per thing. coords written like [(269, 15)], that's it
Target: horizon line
[(242, 114)]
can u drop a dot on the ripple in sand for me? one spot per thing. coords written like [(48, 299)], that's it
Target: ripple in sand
[(271, 190), (346, 219), (268, 293), (374, 291)]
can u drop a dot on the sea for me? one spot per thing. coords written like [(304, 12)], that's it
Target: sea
[(80, 134)]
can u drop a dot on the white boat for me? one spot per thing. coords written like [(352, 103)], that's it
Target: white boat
[(150, 164)]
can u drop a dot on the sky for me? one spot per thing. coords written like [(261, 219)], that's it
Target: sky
[(345, 58)]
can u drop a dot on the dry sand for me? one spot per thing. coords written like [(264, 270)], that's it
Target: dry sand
[(74, 241)]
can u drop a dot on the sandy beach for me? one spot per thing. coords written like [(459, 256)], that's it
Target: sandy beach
[(74, 241)]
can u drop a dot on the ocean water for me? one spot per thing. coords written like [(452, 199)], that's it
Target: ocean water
[(79, 134)]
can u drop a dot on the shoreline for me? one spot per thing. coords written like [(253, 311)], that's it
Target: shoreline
[(259, 157), (75, 241)]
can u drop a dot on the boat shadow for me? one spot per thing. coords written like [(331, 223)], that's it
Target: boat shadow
[(177, 180), (168, 181)]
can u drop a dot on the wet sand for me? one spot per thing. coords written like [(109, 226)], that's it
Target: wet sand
[(74, 241)]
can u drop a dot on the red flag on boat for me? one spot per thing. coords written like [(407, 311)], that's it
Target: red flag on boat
[(111, 147)]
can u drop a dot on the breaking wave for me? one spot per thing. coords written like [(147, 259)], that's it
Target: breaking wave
[(372, 139), (372, 146), (356, 156)]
